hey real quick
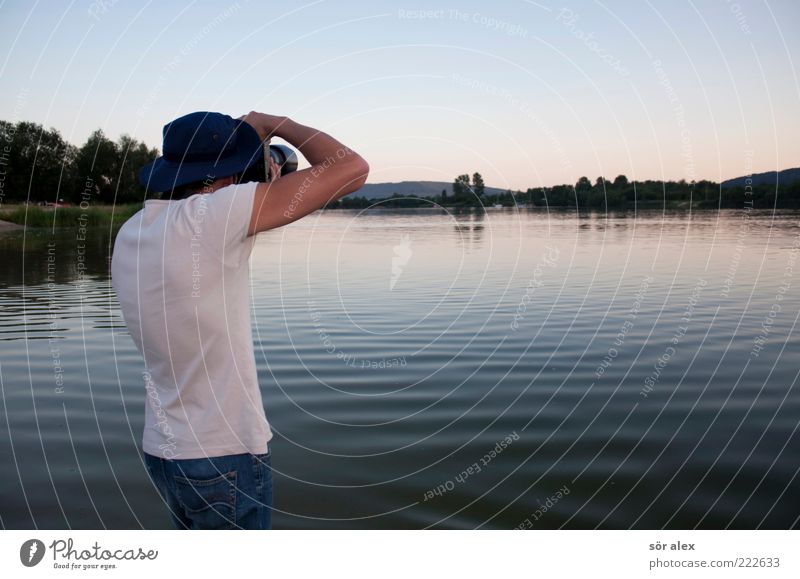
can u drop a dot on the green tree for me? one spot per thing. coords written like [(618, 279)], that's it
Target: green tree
[(20, 144), (462, 191), (582, 190), (598, 197), (38, 163), (54, 177), (98, 165), (132, 156), (477, 184)]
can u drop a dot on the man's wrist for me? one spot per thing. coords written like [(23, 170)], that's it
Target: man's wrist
[(266, 126), (282, 128)]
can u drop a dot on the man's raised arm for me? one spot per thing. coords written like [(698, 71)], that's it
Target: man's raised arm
[(336, 171)]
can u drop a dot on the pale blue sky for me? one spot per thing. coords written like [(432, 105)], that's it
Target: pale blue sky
[(526, 93)]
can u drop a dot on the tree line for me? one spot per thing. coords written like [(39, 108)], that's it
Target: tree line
[(622, 193), (601, 195), (39, 166)]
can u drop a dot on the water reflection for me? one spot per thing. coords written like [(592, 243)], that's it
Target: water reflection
[(502, 320), (469, 226)]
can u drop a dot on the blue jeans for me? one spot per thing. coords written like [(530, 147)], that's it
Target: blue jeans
[(219, 492)]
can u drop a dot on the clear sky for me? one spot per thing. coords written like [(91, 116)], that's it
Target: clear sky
[(526, 93)]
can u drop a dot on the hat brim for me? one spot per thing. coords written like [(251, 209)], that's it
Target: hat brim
[(164, 175)]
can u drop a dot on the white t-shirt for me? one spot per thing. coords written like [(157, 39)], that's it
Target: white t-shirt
[(181, 273)]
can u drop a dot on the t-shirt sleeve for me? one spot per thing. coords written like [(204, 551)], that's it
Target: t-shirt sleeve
[(221, 220)]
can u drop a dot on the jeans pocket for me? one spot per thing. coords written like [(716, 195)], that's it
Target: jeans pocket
[(209, 503)]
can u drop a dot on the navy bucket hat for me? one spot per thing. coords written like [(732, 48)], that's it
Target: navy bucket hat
[(200, 146)]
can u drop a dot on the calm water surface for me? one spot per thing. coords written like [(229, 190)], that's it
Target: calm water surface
[(423, 369)]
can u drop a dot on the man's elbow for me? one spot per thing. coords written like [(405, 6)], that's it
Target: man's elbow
[(358, 177), (362, 172)]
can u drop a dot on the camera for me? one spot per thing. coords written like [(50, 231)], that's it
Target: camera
[(285, 158)]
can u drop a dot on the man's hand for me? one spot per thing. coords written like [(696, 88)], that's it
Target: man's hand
[(274, 169), (336, 171), (264, 124)]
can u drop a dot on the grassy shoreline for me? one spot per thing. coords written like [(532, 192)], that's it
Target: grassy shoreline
[(33, 216), (94, 216)]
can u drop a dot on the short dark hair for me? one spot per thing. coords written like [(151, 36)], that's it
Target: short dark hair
[(184, 191), (189, 189)]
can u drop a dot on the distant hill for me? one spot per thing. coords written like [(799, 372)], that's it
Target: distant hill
[(770, 178), (413, 188), (434, 188)]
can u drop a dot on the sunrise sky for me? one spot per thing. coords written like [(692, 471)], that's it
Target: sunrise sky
[(526, 93)]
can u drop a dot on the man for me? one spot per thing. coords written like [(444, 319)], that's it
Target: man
[(180, 269)]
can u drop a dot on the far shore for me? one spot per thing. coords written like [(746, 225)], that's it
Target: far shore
[(19, 217)]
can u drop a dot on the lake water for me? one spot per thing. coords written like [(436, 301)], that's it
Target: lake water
[(425, 369)]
